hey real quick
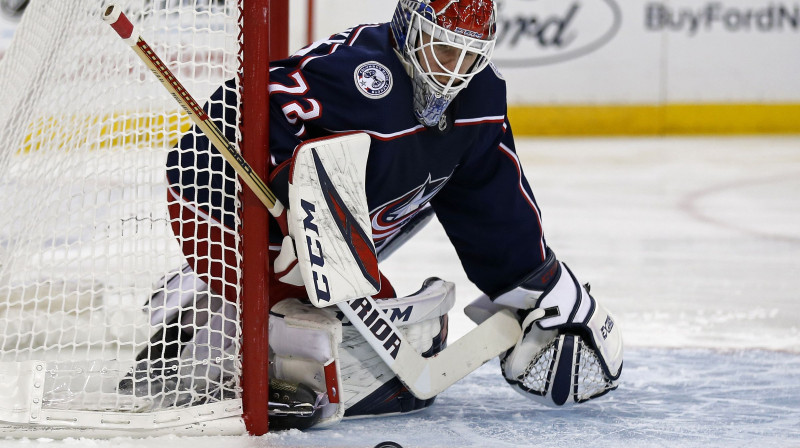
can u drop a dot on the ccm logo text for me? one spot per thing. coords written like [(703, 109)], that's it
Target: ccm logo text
[(315, 253)]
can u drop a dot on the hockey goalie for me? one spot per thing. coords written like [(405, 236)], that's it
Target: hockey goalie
[(431, 110)]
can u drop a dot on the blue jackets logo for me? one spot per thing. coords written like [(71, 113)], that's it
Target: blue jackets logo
[(373, 79)]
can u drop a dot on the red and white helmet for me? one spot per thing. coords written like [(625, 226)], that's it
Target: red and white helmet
[(444, 44)]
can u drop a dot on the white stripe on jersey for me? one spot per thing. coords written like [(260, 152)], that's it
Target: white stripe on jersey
[(199, 212), (381, 136), (358, 31), (347, 39), (305, 50), (308, 59), (300, 88), (496, 118)]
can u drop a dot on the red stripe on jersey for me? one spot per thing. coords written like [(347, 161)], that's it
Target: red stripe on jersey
[(348, 41), (356, 31), (387, 137), (307, 59)]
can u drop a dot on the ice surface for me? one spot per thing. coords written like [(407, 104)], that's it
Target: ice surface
[(668, 398), (693, 243)]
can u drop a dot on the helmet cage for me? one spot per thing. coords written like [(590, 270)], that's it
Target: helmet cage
[(422, 44), (471, 54)]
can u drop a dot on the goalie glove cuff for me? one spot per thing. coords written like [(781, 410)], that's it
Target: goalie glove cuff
[(606, 340), (568, 307), (568, 365)]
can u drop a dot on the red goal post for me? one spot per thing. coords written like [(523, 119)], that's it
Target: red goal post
[(262, 40)]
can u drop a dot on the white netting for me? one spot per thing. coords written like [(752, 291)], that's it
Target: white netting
[(85, 130)]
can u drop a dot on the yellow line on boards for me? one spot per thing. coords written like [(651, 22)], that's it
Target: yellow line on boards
[(105, 131), (670, 119)]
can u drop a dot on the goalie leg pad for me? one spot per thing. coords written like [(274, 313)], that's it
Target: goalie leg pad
[(304, 349), (214, 349), (174, 293), (194, 342), (371, 387), (303, 338)]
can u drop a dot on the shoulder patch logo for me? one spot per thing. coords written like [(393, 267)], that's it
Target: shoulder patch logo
[(373, 79)]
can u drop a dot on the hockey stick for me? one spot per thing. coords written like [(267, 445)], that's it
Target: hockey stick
[(428, 377), (424, 377)]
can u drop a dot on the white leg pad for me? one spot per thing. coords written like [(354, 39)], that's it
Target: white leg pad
[(304, 343), (305, 339)]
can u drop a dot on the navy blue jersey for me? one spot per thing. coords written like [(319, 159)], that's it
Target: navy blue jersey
[(468, 171)]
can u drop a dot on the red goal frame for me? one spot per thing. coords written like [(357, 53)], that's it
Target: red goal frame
[(265, 36)]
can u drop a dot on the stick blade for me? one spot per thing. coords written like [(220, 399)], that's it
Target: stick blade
[(428, 377)]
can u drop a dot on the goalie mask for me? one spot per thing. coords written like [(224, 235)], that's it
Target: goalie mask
[(444, 44)]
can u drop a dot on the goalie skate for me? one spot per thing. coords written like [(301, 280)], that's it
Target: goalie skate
[(179, 365), (293, 405), (157, 366)]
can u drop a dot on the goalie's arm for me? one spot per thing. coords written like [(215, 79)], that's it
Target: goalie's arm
[(490, 214), (331, 168)]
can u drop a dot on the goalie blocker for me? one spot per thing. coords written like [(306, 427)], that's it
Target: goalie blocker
[(570, 350)]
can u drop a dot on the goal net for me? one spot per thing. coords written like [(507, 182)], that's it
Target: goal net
[(103, 325)]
